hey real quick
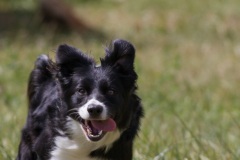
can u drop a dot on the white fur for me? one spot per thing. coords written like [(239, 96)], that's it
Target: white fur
[(83, 112), (43, 57), (79, 147)]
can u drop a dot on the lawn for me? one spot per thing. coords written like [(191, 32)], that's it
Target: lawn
[(187, 59)]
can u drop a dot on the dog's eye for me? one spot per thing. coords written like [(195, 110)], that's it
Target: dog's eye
[(111, 92), (82, 91)]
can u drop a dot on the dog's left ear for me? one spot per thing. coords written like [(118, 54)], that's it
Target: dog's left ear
[(120, 55)]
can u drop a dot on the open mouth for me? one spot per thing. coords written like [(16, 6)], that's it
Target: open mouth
[(96, 129), (91, 132)]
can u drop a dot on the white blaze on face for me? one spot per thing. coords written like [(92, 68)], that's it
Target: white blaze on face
[(83, 110)]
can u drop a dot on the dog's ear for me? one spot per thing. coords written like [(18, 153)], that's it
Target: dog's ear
[(120, 55), (69, 58)]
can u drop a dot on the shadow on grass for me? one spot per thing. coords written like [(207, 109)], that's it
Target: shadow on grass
[(13, 22)]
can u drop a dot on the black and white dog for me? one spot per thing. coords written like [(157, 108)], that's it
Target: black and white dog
[(82, 111)]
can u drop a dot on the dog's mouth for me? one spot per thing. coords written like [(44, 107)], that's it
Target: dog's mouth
[(96, 129)]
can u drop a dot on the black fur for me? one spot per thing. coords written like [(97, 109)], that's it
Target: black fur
[(53, 91)]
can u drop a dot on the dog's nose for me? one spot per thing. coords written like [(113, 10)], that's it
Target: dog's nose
[(94, 110)]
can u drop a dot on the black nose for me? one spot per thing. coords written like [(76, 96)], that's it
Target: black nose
[(95, 110)]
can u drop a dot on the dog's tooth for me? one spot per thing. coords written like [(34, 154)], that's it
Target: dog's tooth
[(89, 130)]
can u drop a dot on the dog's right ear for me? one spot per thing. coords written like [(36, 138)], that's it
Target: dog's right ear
[(68, 59)]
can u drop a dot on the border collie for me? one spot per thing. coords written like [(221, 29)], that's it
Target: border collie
[(79, 110)]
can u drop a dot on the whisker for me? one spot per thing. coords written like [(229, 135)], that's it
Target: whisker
[(111, 115), (73, 113), (78, 117), (73, 109)]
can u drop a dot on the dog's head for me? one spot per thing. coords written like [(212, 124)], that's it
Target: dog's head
[(98, 97)]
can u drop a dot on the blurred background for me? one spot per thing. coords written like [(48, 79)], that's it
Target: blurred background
[(187, 59)]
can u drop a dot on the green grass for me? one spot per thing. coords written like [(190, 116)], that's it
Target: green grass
[(188, 55)]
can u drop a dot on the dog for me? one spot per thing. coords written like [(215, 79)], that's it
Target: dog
[(81, 110)]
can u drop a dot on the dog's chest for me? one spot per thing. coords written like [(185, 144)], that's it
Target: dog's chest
[(78, 147), (67, 149)]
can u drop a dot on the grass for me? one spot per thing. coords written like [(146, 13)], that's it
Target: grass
[(188, 55)]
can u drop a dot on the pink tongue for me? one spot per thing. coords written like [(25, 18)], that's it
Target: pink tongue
[(105, 125)]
